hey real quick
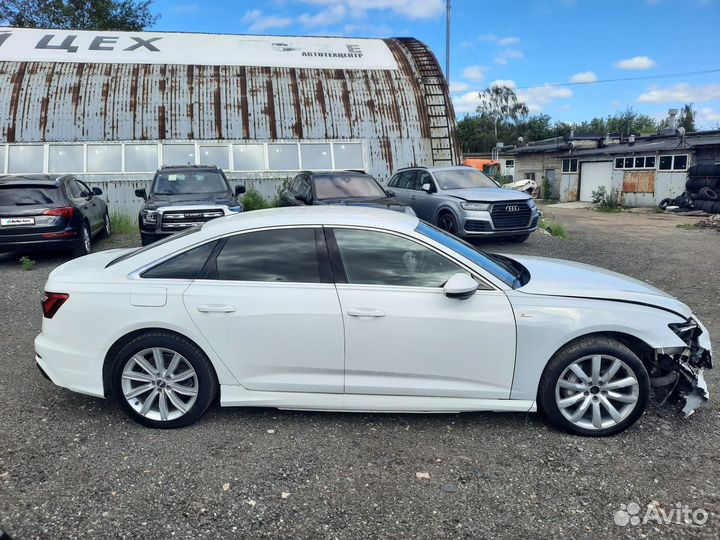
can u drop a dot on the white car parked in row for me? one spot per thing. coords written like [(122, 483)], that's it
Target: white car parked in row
[(352, 309)]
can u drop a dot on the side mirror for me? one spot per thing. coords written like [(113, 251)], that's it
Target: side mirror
[(460, 286), (427, 187), (239, 190), (390, 192), (302, 197), (141, 193), (97, 191)]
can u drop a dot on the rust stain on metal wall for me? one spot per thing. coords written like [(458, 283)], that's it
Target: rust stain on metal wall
[(639, 182)]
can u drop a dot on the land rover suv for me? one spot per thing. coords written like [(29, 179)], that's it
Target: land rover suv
[(183, 196), (465, 202)]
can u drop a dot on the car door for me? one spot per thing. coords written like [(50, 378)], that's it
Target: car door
[(95, 205), (403, 336), (287, 198), (74, 193), (268, 307), (424, 203), (401, 184)]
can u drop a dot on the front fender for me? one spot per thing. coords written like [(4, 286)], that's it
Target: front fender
[(545, 324)]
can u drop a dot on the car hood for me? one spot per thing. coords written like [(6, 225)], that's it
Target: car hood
[(487, 194), (554, 277), (390, 203), (157, 201)]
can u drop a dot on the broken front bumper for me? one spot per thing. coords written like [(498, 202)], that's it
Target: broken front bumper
[(680, 369)]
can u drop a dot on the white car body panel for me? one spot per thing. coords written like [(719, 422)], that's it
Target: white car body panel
[(426, 344), (295, 346)]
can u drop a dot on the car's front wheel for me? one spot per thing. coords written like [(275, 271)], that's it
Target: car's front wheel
[(447, 222), (163, 380), (594, 387)]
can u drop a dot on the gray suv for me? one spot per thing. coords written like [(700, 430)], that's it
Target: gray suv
[(466, 202)]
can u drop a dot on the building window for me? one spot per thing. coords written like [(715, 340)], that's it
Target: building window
[(104, 158), (348, 156), (215, 155), (141, 157), (248, 157), (178, 154), (509, 163), (680, 163), (26, 159), (2, 158), (619, 162), (570, 165), (649, 162), (636, 162), (66, 158), (315, 156), (283, 157)]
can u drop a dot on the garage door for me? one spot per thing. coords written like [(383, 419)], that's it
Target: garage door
[(592, 176)]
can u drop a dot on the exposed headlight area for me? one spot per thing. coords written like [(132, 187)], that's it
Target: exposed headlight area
[(689, 332), (475, 206), (149, 217), (531, 203)]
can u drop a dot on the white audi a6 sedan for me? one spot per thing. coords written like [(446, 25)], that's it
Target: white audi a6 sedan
[(352, 309)]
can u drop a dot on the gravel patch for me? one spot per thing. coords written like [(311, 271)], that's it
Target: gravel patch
[(72, 466)]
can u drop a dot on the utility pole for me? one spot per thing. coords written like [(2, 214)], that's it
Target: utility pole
[(447, 43)]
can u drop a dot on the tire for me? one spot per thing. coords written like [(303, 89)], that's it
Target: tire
[(134, 383), (705, 206), (448, 223), (519, 238), (665, 203), (85, 247), (704, 170), (715, 209), (708, 194), (107, 229), (628, 401)]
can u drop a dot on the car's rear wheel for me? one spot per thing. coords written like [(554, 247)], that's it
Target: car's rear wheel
[(446, 221), (594, 387), (85, 246), (107, 231), (162, 380)]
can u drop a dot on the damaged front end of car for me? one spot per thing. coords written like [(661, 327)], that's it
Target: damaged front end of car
[(677, 372)]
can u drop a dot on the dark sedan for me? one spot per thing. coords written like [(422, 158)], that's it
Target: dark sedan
[(340, 187), (49, 212)]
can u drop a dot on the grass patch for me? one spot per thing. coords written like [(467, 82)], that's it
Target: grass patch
[(253, 200), (687, 226), (555, 229), (122, 223), (609, 209), (27, 263), (606, 201)]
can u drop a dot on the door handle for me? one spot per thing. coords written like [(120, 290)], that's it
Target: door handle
[(215, 308), (366, 312)]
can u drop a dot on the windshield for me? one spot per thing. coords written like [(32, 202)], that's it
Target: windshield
[(189, 183), (463, 178), (28, 195), (503, 268), (342, 187), (165, 240)]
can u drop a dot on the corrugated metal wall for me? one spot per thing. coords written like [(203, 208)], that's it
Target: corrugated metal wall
[(389, 109)]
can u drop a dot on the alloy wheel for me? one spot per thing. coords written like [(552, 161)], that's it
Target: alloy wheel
[(86, 239), (597, 392), (107, 225), (447, 223), (159, 384)]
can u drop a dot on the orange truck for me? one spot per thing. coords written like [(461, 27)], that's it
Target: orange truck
[(488, 166)]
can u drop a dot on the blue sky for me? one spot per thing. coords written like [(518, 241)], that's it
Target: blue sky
[(524, 43)]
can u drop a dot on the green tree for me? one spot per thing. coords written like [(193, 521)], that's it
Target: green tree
[(128, 15), (686, 118), (535, 128), (501, 105)]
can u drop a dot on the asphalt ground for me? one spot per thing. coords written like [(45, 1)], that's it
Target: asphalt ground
[(73, 466)]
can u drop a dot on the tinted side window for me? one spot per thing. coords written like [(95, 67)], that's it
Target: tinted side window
[(85, 191), (377, 258), (281, 255), (394, 181), (72, 189), (423, 178), (295, 184), (184, 266)]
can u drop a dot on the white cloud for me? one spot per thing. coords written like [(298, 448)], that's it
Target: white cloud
[(185, 9), (681, 93), (504, 82), (509, 40), (487, 37), (459, 86), (413, 9), (509, 54), (707, 118), (501, 61), (326, 17), (260, 22), (583, 77), (466, 103), (636, 62), (538, 98), (615, 103), (474, 73)]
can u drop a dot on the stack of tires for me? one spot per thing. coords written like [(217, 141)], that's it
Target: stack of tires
[(704, 187)]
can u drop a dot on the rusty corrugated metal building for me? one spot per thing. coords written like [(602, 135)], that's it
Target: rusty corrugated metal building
[(112, 107)]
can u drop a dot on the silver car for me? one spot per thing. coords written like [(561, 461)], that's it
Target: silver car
[(466, 202)]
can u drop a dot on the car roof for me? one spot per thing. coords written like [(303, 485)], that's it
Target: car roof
[(336, 173), (433, 169), (25, 179), (313, 215), (188, 168)]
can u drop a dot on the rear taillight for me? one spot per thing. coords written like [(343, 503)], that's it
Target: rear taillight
[(66, 212), (51, 302)]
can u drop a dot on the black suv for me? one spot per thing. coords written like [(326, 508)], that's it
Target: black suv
[(340, 187), (183, 196)]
